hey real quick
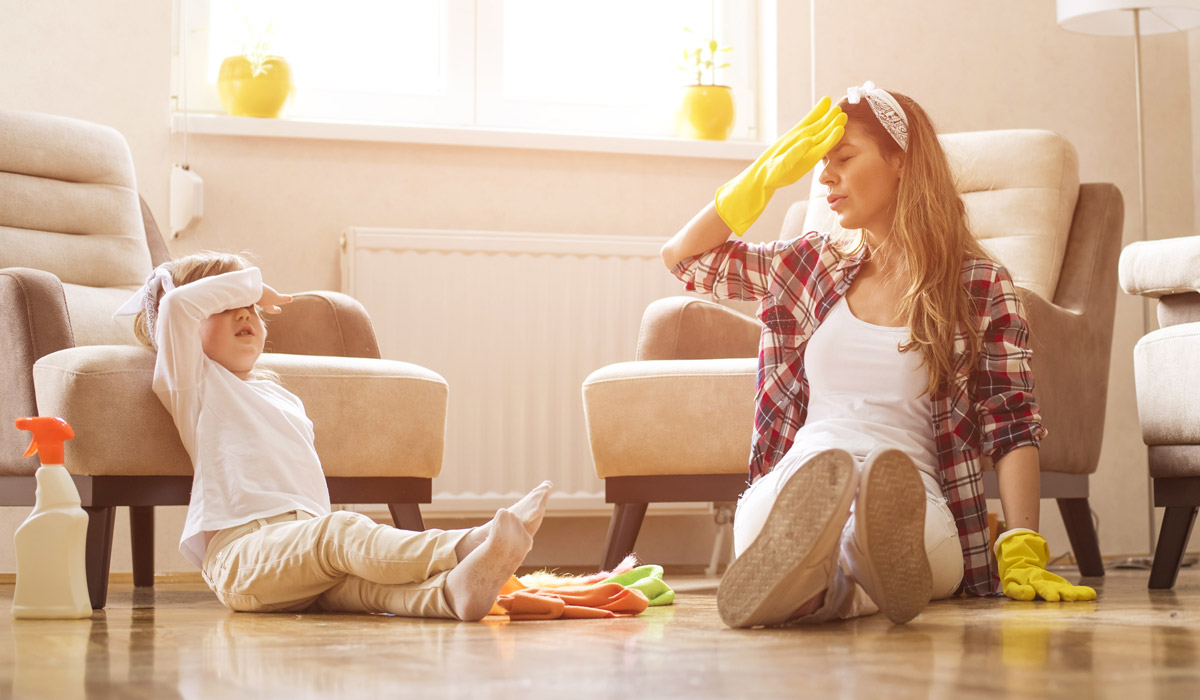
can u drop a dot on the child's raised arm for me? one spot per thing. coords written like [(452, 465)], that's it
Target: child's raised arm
[(180, 313), (271, 300)]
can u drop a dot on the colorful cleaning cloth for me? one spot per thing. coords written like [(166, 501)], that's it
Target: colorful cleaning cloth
[(648, 580), (571, 602), (550, 579), (626, 590)]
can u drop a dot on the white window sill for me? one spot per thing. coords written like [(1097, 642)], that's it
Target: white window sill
[(221, 125)]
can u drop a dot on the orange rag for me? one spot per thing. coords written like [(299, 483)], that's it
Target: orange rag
[(568, 602)]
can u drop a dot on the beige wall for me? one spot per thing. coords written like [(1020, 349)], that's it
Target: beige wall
[(1194, 91), (972, 65)]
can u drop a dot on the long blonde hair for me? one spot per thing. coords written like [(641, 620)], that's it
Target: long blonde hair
[(930, 230), (197, 266)]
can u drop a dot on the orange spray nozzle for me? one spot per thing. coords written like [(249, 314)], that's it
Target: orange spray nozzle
[(49, 433)]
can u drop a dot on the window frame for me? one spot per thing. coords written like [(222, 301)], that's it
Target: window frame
[(472, 86)]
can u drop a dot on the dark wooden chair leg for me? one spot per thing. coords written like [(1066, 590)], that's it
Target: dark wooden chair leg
[(622, 532), (1172, 543), (407, 516), (99, 552), (141, 537), (1077, 516)]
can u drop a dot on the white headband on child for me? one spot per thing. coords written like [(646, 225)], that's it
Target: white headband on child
[(887, 110), (146, 299)]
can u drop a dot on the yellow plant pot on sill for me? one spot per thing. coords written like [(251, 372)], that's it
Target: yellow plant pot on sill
[(244, 94), (706, 112)]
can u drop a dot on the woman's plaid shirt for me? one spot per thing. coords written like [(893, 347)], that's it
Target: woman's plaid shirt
[(985, 413)]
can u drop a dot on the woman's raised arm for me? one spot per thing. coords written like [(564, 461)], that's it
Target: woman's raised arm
[(739, 202), (704, 232)]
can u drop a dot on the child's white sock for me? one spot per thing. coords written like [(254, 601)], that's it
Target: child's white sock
[(472, 586), (530, 509)]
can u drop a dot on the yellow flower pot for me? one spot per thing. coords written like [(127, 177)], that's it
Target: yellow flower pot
[(707, 112), (244, 94)]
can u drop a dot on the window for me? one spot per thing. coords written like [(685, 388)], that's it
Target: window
[(547, 65), (355, 60)]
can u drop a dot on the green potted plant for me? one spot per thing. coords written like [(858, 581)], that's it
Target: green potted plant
[(255, 83), (707, 110)]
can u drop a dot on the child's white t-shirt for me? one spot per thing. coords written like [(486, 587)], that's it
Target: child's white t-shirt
[(865, 394), (250, 442)]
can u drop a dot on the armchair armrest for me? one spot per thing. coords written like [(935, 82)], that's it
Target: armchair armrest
[(671, 416), (687, 328), (33, 323), (1167, 270), (322, 323), (1161, 268), (1071, 337), (1070, 368)]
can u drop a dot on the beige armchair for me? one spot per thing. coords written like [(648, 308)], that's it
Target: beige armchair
[(675, 425), (75, 241), (1166, 372)]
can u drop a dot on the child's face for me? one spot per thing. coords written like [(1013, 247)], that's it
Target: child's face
[(234, 339)]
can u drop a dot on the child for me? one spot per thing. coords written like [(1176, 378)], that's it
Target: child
[(259, 523)]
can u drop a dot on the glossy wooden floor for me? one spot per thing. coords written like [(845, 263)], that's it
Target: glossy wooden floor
[(176, 641)]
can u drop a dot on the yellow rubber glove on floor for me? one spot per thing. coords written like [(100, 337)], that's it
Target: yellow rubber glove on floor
[(1022, 555), (741, 200)]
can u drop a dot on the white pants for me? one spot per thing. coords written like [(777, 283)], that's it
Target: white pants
[(844, 598)]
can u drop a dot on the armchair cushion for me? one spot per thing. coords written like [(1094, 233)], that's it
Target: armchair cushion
[(670, 416), (1161, 268), (1167, 376), (371, 417), (1173, 462), (91, 310)]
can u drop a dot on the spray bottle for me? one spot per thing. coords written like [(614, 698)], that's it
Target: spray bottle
[(51, 578)]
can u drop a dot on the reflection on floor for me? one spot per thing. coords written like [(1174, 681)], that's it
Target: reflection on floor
[(176, 641)]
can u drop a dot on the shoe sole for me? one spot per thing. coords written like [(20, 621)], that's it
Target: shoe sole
[(891, 533), (777, 573)]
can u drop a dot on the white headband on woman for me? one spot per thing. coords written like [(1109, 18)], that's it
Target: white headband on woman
[(887, 110), (146, 299)]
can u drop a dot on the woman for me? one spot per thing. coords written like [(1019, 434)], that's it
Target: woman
[(894, 358)]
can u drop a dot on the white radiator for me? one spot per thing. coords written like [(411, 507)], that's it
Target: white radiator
[(514, 322)]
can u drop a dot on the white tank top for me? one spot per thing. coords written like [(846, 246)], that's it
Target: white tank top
[(864, 393)]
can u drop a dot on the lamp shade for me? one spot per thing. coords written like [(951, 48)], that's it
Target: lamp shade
[(1115, 17)]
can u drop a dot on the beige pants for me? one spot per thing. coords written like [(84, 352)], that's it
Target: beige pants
[(343, 561)]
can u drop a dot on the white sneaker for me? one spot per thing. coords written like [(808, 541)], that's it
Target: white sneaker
[(795, 555), (887, 554)]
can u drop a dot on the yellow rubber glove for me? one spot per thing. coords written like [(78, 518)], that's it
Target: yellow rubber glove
[(1022, 555), (741, 200)]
